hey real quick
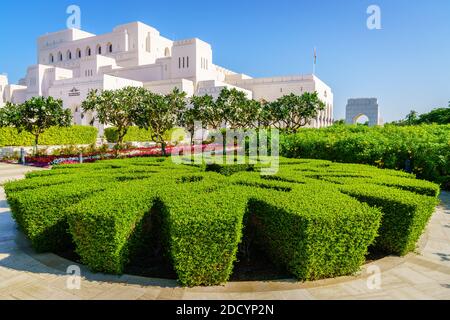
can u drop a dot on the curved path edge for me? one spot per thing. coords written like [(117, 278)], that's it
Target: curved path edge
[(26, 275)]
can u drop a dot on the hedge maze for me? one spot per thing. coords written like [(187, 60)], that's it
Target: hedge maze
[(315, 218)]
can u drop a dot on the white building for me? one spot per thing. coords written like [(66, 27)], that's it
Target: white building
[(72, 62)]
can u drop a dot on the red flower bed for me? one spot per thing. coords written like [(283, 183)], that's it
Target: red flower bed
[(45, 161)]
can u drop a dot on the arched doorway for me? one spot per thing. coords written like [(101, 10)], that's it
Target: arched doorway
[(361, 119)]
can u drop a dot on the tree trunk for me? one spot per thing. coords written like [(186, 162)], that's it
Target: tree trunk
[(163, 147), (36, 144), (192, 132), (120, 142), (122, 133)]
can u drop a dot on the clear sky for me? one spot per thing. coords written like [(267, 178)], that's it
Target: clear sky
[(406, 64)]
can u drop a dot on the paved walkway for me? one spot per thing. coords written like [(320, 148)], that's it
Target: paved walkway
[(26, 275)]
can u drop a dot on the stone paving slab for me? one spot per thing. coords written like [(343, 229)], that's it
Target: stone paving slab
[(25, 275)]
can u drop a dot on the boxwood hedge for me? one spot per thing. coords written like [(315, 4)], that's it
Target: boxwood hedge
[(136, 134), (55, 136), (423, 149), (314, 218)]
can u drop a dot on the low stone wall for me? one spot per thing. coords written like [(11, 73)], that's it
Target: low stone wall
[(7, 152)]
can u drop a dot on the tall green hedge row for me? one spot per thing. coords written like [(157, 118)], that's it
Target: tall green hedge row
[(426, 146), (55, 136), (136, 134), (306, 218)]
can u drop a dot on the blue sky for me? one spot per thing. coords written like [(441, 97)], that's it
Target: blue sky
[(406, 64)]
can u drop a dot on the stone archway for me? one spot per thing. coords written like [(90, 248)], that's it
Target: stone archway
[(357, 119), (356, 108)]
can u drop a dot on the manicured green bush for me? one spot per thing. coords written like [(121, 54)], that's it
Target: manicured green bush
[(315, 233), (136, 134), (314, 218), (55, 136), (427, 147), (41, 213), (230, 169), (103, 224), (405, 215)]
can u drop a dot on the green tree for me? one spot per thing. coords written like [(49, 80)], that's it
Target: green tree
[(437, 116), (265, 118), (6, 115), (292, 112), (246, 114), (115, 107), (211, 114), (37, 115), (411, 118), (195, 114), (340, 122), (160, 114), (237, 111)]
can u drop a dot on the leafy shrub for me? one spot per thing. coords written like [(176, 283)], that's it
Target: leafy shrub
[(136, 134), (426, 147), (10, 137), (313, 238), (41, 213), (315, 218), (405, 215), (228, 170)]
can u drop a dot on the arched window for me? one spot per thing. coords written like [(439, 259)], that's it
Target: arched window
[(167, 52), (51, 58), (99, 49), (88, 52), (110, 47), (69, 55), (60, 56), (78, 53), (187, 62)]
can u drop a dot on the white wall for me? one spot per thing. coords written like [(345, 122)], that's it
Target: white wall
[(270, 89), (3, 84), (192, 59), (40, 78), (214, 88), (167, 86), (119, 41), (15, 93), (153, 72), (74, 91)]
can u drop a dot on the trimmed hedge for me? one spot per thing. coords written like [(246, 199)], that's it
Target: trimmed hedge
[(55, 136), (405, 215), (316, 219), (136, 134), (42, 213), (427, 147)]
